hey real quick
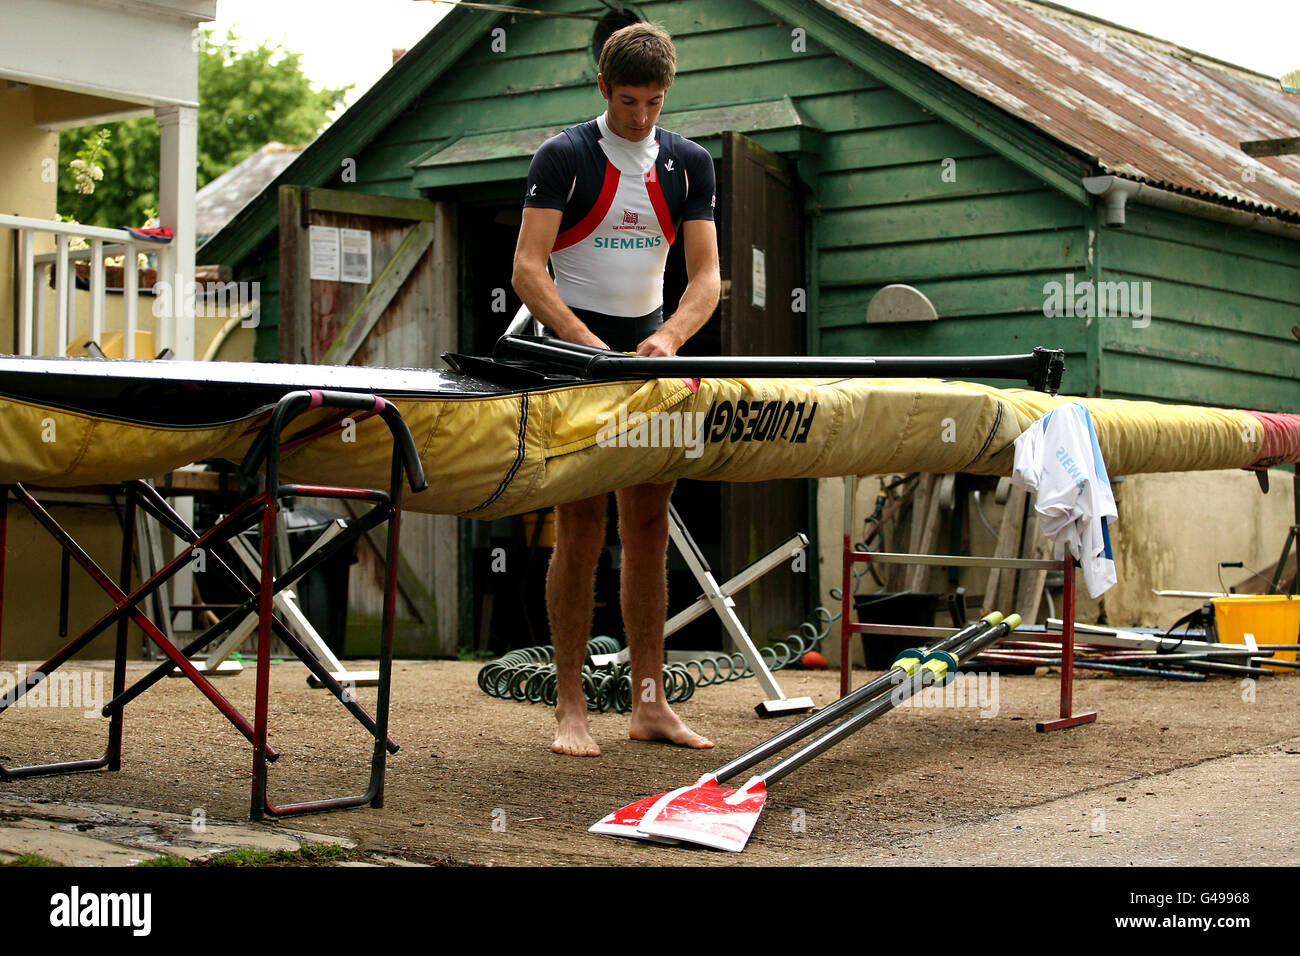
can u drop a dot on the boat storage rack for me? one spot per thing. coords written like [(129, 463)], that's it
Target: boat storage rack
[(263, 493)]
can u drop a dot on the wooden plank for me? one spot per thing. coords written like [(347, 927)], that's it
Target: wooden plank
[(1135, 376), (1215, 309), (1160, 259), (1271, 147), (922, 494), (573, 98), (410, 586), (192, 481), (294, 328), (919, 142), (371, 308), (1218, 237), (999, 590), (924, 181), (955, 218), (918, 575), (368, 204), (1029, 595), (919, 262), (698, 48), (1196, 345), (970, 298), (869, 105)]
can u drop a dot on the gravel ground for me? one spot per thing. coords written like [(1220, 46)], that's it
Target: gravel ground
[(1171, 773)]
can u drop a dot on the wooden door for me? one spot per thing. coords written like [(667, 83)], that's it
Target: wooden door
[(400, 312), (762, 257)]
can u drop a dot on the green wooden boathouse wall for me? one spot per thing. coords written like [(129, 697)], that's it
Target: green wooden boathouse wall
[(909, 178)]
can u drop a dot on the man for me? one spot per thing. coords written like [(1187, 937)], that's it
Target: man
[(604, 202)]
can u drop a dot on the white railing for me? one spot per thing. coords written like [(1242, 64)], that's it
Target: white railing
[(33, 270)]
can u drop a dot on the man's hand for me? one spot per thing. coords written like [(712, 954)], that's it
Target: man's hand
[(661, 342)]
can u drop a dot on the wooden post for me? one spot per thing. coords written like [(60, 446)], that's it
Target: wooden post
[(1000, 589), (295, 280)]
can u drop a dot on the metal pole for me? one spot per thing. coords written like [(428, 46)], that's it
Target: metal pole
[(1067, 640), (266, 583), (844, 705), (923, 678), (846, 588)]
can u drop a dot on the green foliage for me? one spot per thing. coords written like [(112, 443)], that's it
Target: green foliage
[(165, 860), (247, 98), (30, 859), (309, 854), (86, 169), (1291, 80)]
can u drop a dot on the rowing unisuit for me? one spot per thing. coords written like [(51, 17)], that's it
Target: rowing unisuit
[(623, 204)]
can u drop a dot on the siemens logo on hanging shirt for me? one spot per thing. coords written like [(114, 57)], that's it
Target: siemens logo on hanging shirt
[(627, 242)]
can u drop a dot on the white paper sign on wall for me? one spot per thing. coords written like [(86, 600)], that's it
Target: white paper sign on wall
[(356, 255), (324, 243)]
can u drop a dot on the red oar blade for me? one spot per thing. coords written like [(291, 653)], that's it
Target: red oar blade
[(627, 821), (709, 815)]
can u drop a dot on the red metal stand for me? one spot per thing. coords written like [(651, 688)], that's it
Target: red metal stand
[(260, 505), (1067, 718)]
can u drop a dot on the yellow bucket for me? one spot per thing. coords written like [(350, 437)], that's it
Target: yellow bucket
[(1269, 618)]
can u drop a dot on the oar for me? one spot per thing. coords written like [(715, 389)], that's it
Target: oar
[(717, 817), (626, 822), (1040, 369)]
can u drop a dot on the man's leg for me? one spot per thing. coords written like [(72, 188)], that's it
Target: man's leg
[(643, 532), (570, 594)]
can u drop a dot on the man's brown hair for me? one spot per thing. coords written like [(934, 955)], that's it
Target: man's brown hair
[(638, 55)]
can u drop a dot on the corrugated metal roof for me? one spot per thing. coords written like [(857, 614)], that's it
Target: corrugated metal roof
[(1140, 107), (218, 201)]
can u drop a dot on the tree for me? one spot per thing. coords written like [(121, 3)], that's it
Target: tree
[(1291, 80), (247, 98)]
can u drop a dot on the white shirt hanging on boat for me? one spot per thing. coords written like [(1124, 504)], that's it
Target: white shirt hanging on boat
[(1058, 458)]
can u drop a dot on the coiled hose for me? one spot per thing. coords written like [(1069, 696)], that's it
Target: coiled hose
[(528, 674)]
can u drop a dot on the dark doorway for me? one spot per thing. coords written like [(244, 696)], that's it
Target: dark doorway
[(761, 244)]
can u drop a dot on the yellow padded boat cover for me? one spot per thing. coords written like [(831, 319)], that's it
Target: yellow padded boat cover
[(497, 455)]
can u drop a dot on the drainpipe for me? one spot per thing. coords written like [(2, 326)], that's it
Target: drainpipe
[(1117, 192)]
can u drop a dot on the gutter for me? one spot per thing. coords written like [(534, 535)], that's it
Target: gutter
[(1117, 193)]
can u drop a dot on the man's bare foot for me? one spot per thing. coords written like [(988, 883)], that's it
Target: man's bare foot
[(665, 725), (574, 737)]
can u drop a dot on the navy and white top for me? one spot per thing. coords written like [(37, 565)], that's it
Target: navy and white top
[(623, 203)]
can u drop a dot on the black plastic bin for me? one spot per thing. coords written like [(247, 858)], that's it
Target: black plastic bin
[(905, 609)]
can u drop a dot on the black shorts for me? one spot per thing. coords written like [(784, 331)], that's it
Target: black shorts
[(620, 333)]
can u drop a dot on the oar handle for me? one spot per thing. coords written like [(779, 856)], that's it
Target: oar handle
[(845, 704), (923, 677), (1041, 369)]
